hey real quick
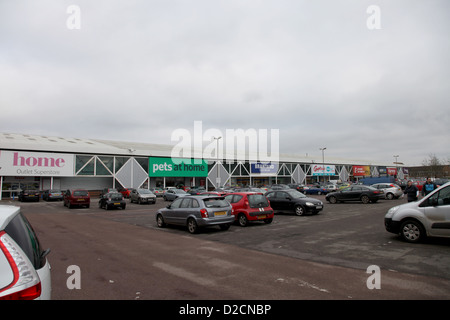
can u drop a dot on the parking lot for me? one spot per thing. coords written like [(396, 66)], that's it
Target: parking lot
[(322, 256)]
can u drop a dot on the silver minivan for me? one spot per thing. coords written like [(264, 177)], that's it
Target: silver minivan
[(429, 216)]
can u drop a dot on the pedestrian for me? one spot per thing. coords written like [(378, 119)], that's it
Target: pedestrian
[(411, 191), (428, 187)]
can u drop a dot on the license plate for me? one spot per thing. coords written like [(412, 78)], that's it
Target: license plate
[(319, 207), (80, 199), (263, 216), (117, 203), (220, 213)]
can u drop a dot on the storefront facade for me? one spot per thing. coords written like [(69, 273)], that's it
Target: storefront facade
[(22, 168)]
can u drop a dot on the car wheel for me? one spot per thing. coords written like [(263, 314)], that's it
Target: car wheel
[(242, 219), (192, 226), (100, 205), (224, 227), (389, 196), (412, 231), (160, 221), (139, 201), (365, 199), (299, 210), (332, 199), (124, 206)]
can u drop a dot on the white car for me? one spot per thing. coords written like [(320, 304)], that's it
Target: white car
[(24, 268), (429, 216), (391, 190)]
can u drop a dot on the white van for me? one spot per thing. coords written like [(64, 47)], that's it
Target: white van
[(429, 216)]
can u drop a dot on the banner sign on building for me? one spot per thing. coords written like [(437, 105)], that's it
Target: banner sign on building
[(361, 171), (392, 171), (321, 170), (264, 168), (168, 167), (20, 163)]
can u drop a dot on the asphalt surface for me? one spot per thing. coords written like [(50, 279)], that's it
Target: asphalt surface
[(123, 255)]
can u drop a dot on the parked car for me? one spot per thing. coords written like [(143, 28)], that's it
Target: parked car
[(196, 212), (292, 200), (77, 197), (250, 206), (112, 200), (24, 269), (331, 187), (391, 191), (173, 193), (343, 185), (316, 190), (196, 191), (430, 216), (158, 192), (142, 196), (362, 193), (126, 192), (29, 195), (53, 194), (278, 187)]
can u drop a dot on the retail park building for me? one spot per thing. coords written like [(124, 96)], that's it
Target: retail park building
[(45, 162)]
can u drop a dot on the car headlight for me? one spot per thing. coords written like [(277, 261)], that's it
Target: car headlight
[(391, 211), (309, 204)]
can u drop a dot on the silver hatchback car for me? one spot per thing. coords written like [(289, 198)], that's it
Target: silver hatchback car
[(24, 269), (196, 212), (142, 196), (391, 190)]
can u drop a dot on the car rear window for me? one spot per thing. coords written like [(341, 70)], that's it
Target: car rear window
[(23, 234), (80, 193), (215, 202), (257, 201), (116, 196)]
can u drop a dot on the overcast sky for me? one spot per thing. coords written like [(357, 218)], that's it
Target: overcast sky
[(138, 70)]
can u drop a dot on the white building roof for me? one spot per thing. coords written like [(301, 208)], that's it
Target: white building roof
[(39, 143)]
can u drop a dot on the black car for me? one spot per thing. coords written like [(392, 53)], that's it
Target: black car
[(32, 195), (293, 200), (112, 200), (365, 194)]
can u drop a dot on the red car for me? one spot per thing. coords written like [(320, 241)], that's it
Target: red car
[(78, 197), (250, 206)]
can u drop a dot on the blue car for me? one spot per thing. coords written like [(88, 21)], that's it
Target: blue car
[(316, 190)]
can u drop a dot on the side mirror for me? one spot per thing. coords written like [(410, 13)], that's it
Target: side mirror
[(168, 206)]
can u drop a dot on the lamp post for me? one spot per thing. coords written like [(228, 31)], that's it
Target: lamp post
[(217, 162), (396, 165), (323, 162)]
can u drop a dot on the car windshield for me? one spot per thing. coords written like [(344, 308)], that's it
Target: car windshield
[(257, 201), (144, 191), (179, 191), (295, 194), (215, 202)]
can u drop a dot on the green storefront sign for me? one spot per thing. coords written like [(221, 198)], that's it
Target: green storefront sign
[(177, 167)]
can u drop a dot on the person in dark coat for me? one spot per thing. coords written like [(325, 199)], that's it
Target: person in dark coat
[(428, 187), (411, 191)]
